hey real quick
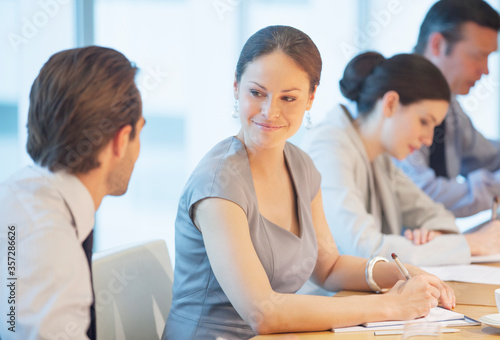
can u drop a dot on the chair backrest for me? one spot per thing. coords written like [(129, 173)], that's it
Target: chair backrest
[(133, 291)]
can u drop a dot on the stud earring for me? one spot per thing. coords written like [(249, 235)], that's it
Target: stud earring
[(236, 109), (308, 125)]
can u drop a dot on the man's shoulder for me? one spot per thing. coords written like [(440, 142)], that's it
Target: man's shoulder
[(30, 181), (456, 111), (30, 196)]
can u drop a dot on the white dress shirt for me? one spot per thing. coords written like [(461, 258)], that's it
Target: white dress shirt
[(53, 213)]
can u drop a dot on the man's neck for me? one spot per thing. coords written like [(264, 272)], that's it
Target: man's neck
[(95, 185)]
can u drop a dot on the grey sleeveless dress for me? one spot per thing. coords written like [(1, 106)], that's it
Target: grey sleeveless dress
[(200, 309)]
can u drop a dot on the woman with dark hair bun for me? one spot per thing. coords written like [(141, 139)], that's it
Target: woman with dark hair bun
[(372, 208), (369, 76), (250, 227)]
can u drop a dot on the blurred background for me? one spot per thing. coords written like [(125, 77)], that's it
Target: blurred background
[(187, 52)]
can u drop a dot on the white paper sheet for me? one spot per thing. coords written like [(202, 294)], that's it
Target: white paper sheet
[(436, 314), (486, 258), (466, 273), (444, 317)]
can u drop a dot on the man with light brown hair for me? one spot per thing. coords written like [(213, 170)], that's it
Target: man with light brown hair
[(84, 121)]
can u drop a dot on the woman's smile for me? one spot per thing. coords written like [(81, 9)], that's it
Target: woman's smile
[(268, 126)]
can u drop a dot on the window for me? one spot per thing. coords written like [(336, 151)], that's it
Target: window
[(28, 31), (187, 53)]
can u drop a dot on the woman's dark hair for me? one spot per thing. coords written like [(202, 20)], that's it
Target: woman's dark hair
[(368, 76), (78, 102), (448, 16), (292, 42)]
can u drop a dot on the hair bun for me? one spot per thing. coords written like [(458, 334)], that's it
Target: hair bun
[(356, 71)]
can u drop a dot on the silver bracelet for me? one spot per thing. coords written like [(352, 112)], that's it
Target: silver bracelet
[(369, 273)]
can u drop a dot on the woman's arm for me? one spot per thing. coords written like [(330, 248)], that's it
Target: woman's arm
[(418, 209), (334, 272), (421, 212), (243, 279), (359, 232)]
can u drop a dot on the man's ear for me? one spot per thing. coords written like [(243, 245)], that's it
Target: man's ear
[(120, 140), (311, 98), (436, 45), (390, 102)]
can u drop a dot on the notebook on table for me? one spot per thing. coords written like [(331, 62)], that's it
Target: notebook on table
[(447, 318)]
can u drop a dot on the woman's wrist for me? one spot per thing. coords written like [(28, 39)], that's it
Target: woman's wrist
[(386, 306), (369, 274), (387, 274)]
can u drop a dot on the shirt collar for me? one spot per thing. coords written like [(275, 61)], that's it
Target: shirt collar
[(78, 199)]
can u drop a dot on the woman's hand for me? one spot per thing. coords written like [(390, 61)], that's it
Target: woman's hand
[(421, 235), (486, 239), (413, 298), (447, 296)]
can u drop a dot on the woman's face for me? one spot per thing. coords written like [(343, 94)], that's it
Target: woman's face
[(273, 95), (411, 126)]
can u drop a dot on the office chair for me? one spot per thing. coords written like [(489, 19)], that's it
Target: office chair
[(133, 291)]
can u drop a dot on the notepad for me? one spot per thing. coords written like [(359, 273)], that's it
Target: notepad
[(436, 314), (443, 316)]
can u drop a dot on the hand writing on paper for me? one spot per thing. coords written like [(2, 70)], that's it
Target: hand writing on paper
[(447, 296), (414, 298), (421, 235)]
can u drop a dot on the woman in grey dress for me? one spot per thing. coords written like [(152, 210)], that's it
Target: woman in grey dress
[(251, 230)]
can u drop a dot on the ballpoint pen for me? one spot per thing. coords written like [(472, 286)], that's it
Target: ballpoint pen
[(494, 208), (401, 267)]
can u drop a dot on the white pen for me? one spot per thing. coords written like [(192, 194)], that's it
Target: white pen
[(402, 268), (399, 332)]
